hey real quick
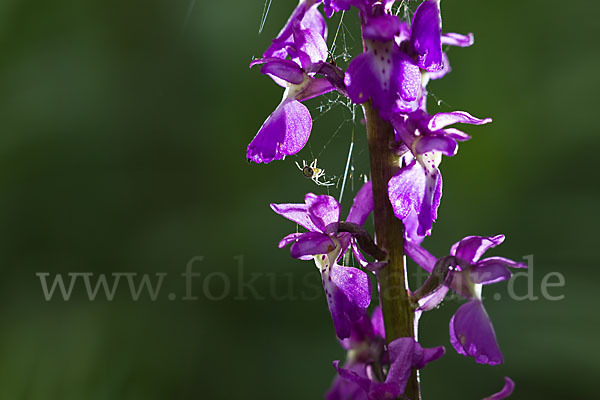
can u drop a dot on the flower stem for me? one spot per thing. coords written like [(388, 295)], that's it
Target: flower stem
[(398, 315)]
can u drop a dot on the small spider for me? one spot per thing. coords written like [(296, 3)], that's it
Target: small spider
[(314, 173)]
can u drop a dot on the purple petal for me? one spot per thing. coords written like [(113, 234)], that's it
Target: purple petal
[(382, 28), (311, 244), (322, 210), (508, 263), (287, 70), (433, 300), (456, 39), (425, 36), (401, 353), (285, 132), (362, 330), (297, 213), (433, 75), (402, 106), (461, 283), (490, 270), (408, 77), (373, 390), (456, 134), (377, 322), (331, 6), (278, 48), (411, 226), (431, 200), (348, 292), (419, 255), (506, 391), (360, 79), (471, 248), (402, 133), (406, 189), (384, 391), (355, 377), (313, 20), (406, 353), (310, 45), (315, 87), (441, 120), (291, 238), (279, 81), (430, 355), (362, 205), (344, 388), (472, 334), (436, 142), (259, 61)]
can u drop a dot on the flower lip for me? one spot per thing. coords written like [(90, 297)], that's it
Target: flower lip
[(284, 132), (472, 334)]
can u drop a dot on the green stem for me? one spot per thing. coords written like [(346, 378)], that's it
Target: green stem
[(398, 315)]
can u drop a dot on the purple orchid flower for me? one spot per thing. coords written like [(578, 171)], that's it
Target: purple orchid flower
[(389, 74), (416, 190), (348, 289), (471, 331), (358, 378), (404, 354), (342, 389), (365, 346), (398, 61), (383, 74), (287, 129)]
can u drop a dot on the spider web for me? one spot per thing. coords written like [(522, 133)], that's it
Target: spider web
[(337, 143), (336, 152)]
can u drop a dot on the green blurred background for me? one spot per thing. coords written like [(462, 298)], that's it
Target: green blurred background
[(123, 127)]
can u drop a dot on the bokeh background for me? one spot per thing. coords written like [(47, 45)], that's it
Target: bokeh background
[(123, 127)]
